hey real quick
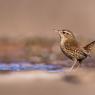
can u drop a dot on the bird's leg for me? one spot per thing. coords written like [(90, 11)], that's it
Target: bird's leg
[(78, 66), (75, 62)]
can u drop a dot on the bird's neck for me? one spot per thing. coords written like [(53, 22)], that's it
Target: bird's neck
[(69, 42), (63, 40)]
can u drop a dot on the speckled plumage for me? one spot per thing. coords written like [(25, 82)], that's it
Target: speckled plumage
[(71, 48)]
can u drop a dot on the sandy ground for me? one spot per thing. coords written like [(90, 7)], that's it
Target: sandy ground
[(81, 82)]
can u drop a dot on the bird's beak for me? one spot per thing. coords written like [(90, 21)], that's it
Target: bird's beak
[(57, 31)]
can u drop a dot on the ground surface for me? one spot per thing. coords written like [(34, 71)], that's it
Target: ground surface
[(81, 82)]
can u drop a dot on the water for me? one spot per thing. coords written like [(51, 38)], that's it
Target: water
[(19, 66)]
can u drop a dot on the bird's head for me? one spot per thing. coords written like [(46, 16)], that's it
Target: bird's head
[(65, 34)]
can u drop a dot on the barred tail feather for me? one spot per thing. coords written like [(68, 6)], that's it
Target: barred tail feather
[(89, 46)]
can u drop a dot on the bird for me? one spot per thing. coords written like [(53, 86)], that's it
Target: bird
[(71, 48)]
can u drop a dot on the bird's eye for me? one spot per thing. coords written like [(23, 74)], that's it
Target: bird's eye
[(66, 33), (63, 32)]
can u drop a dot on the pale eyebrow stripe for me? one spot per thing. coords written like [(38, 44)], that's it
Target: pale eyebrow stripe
[(67, 32)]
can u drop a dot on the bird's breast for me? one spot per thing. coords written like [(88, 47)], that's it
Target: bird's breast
[(72, 51)]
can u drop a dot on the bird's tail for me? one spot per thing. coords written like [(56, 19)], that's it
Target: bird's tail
[(89, 46)]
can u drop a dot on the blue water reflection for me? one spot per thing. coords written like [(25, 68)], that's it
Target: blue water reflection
[(19, 66)]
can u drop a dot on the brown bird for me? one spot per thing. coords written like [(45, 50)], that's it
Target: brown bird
[(71, 48)]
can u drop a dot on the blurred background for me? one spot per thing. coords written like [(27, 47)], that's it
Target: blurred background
[(27, 27), (29, 18), (27, 38)]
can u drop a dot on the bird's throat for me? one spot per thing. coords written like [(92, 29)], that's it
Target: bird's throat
[(63, 40)]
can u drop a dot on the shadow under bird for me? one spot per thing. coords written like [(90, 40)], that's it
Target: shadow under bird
[(71, 48)]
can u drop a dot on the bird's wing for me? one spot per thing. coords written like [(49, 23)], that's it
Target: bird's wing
[(89, 46), (79, 53)]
